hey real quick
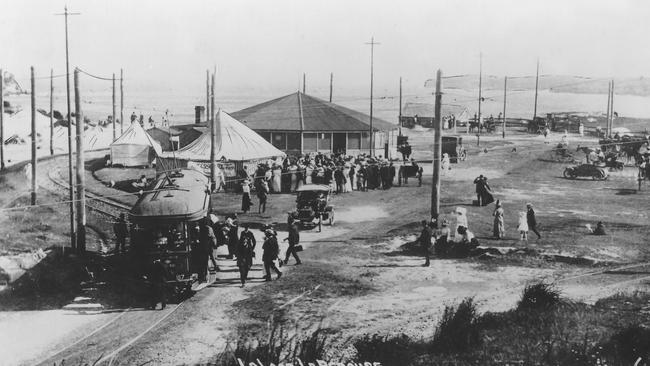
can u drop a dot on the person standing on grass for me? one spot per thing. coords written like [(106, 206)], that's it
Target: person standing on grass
[(245, 254), (532, 220), (498, 228), (121, 230), (246, 201), (425, 241), (294, 239), (271, 250), (523, 227), (262, 195)]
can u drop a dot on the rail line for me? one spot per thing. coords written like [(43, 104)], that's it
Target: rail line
[(101, 204)]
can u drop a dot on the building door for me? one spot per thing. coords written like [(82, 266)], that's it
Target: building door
[(339, 143)]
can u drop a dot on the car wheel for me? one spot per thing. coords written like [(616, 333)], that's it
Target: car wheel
[(568, 173)]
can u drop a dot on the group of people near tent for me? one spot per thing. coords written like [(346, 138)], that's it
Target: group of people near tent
[(343, 173)]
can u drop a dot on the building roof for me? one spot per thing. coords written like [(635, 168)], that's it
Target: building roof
[(172, 131), (302, 112), (235, 141), (419, 109)]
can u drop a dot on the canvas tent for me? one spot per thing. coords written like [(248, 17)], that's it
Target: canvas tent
[(134, 147), (234, 142)]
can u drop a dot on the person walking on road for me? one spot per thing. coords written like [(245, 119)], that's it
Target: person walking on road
[(294, 240), (207, 241), (271, 250), (498, 228), (262, 195), (245, 254), (425, 241), (158, 275), (121, 230), (532, 220)]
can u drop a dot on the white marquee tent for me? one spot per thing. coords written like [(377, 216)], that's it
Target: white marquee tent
[(134, 147)]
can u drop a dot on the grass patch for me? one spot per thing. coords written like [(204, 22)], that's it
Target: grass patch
[(539, 296)]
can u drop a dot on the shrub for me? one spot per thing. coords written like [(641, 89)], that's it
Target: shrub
[(389, 351), (539, 296), (458, 330)]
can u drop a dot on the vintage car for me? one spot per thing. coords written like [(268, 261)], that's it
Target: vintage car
[(312, 206), (586, 170)]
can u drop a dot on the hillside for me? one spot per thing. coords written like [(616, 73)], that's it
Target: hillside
[(639, 86)]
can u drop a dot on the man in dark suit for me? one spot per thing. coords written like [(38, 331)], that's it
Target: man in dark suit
[(425, 241), (294, 239), (532, 220)]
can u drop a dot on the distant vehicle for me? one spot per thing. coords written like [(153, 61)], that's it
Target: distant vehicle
[(165, 222), (312, 206), (585, 170)]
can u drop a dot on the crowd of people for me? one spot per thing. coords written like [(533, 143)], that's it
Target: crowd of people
[(342, 173)]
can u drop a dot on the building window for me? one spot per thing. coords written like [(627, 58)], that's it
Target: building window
[(293, 141), (309, 142), (280, 140), (354, 141), (324, 141), (365, 140), (266, 136)]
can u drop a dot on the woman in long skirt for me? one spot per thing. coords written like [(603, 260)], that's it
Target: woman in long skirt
[(498, 229), (347, 185), (276, 182), (246, 201), (293, 170)]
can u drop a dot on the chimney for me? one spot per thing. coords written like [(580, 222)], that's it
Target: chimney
[(199, 112)]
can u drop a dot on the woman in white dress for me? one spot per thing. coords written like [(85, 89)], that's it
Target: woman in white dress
[(293, 170), (308, 171), (347, 187), (276, 184)]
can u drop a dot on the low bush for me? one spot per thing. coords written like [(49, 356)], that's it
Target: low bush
[(539, 296), (458, 330)]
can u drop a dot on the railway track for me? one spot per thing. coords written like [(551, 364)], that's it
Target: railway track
[(95, 202)]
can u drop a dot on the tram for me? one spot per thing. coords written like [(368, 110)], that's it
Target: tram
[(165, 224)]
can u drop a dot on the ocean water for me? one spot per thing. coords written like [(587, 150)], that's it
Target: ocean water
[(179, 106)]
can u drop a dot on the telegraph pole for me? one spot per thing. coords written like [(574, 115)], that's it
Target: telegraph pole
[(536, 89), (121, 101), (114, 107), (33, 105), (73, 231), (437, 150), (331, 85), (81, 180), (480, 97), (2, 117), (609, 101), (51, 112), (207, 95), (213, 143), (399, 124), (505, 88), (304, 83), (611, 111), (372, 61)]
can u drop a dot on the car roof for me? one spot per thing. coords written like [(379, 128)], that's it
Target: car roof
[(314, 188)]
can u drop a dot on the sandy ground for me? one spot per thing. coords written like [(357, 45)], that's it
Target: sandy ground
[(364, 279)]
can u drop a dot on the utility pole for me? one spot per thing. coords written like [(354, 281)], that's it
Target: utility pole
[(399, 121), (372, 62), (437, 150), (213, 142), (51, 112), (609, 101), (73, 231), (331, 85), (2, 118), (121, 101), (480, 97), (207, 95), (33, 105), (505, 88), (114, 107), (536, 89), (81, 188), (611, 112), (304, 83)]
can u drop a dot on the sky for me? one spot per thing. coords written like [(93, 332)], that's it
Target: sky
[(267, 45)]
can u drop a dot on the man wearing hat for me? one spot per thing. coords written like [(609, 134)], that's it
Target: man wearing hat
[(532, 221), (294, 239), (245, 253), (270, 253), (425, 241)]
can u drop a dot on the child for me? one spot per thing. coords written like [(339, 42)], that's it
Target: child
[(523, 226), (419, 176)]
